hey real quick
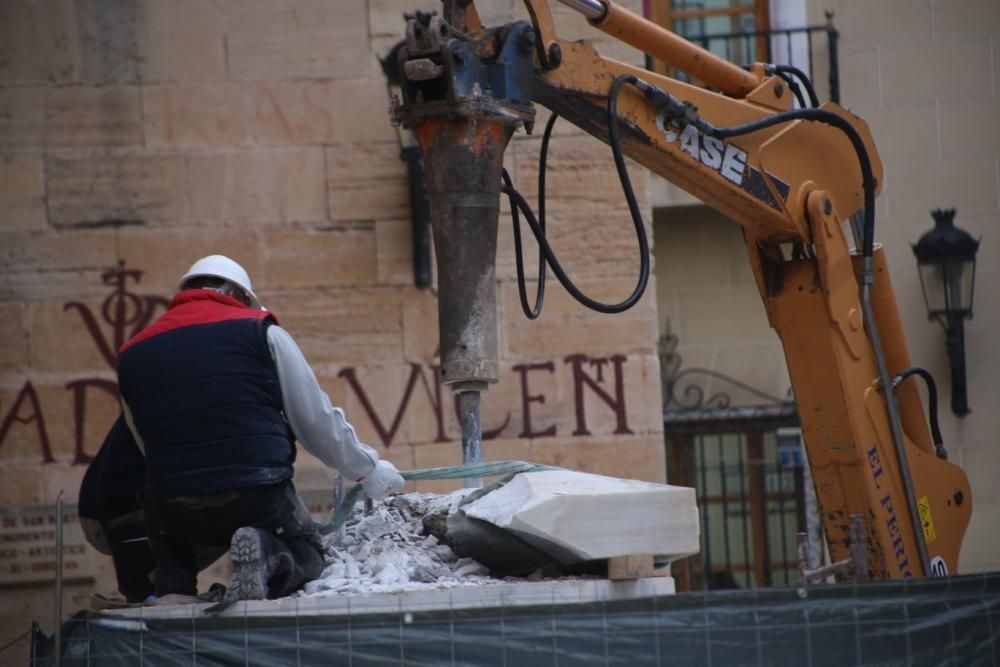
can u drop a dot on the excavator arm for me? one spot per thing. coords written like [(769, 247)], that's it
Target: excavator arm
[(789, 177)]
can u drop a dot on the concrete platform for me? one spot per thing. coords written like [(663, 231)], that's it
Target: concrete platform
[(500, 594)]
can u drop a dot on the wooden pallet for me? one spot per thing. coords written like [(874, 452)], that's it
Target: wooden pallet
[(635, 567)]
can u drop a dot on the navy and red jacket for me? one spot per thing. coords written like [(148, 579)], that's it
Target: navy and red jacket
[(205, 398)]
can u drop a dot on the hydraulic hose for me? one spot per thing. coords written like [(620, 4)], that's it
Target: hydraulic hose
[(518, 202), (820, 116), (782, 70), (932, 401)]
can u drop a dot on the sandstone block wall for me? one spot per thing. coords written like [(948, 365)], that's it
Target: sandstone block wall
[(138, 136)]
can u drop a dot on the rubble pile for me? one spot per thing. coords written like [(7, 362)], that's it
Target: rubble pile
[(389, 550)]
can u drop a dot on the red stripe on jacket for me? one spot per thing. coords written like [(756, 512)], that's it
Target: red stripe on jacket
[(198, 306)]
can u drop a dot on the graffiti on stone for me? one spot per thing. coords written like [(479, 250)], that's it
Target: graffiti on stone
[(124, 313)]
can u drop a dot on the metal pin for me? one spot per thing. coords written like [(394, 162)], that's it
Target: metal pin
[(472, 434)]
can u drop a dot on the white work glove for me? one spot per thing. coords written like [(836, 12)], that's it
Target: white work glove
[(383, 479)]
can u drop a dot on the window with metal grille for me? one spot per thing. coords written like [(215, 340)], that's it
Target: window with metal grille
[(709, 21)]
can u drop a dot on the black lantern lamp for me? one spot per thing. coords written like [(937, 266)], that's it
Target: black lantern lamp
[(946, 259)]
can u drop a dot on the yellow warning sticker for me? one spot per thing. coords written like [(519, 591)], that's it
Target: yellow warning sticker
[(926, 520)]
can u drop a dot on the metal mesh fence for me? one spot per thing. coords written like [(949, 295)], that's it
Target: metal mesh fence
[(954, 621)]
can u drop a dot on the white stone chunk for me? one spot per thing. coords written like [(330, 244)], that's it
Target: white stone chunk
[(577, 516)]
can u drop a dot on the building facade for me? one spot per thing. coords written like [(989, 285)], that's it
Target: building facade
[(137, 136)]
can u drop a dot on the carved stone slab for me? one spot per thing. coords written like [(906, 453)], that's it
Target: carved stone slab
[(575, 516)]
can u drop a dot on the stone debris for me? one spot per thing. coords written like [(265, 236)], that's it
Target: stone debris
[(389, 550)]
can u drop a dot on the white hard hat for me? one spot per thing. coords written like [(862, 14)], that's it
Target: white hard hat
[(220, 266)]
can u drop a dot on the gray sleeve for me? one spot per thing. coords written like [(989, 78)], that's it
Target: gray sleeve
[(321, 428)]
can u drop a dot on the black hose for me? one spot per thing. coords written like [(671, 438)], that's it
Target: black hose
[(801, 76), (531, 312), (795, 88), (545, 250), (830, 118), (932, 400)]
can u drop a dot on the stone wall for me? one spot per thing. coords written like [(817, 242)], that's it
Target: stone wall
[(137, 136)]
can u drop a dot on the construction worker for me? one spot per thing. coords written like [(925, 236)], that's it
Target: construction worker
[(216, 393), (111, 514)]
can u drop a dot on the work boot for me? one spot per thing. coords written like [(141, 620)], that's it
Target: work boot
[(249, 578)]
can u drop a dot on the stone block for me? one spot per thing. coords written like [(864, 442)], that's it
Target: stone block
[(183, 40), (22, 118), (860, 86), (61, 478), (576, 516), (966, 19), (294, 111), (979, 546), (22, 193), (164, 255), (197, 114), (420, 326), (309, 258), (366, 182), (20, 482), (56, 253), (276, 186), (385, 17), (914, 187), (904, 133), (980, 342), (698, 247), (109, 40), (567, 327), (629, 457), (14, 333), (952, 71), (394, 248), (911, 22), (38, 42), (112, 189), (344, 326), (507, 449), (63, 339), (761, 367), (962, 133), (337, 110), (77, 116), (298, 39), (361, 110), (707, 315)]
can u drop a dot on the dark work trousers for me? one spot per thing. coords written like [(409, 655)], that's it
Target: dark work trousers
[(132, 557), (292, 548)]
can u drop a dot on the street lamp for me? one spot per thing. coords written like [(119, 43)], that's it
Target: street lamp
[(946, 259)]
